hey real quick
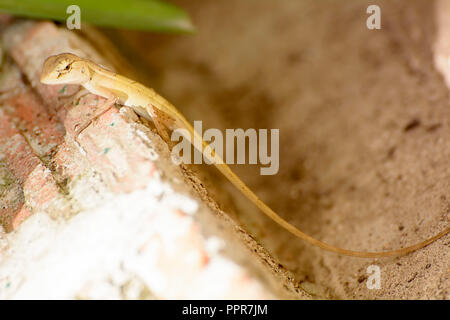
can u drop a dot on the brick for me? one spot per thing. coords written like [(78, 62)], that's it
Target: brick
[(34, 178), (41, 130)]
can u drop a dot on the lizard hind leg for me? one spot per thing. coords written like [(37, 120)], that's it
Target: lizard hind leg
[(163, 132), (162, 122)]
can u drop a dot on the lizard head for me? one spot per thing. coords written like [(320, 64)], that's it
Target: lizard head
[(64, 68)]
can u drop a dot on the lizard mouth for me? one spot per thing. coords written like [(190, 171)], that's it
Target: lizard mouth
[(48, 80), (44, 79)]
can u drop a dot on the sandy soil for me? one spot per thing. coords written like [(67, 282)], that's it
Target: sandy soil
[(364, 123)]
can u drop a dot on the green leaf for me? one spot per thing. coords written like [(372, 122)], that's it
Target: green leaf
[(149, 15)]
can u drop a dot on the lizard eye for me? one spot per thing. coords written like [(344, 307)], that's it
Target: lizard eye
[(67, 67)]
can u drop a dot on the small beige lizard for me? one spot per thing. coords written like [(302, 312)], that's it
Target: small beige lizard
[(67, 68)]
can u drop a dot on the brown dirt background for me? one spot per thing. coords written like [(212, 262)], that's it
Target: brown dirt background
[(364, 123)]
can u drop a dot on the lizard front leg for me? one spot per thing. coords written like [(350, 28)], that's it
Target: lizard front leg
[(79, 128), (112, 97)]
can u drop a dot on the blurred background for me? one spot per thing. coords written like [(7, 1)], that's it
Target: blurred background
[(363, 116)]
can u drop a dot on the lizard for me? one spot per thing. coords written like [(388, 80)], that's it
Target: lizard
[(67, 68)]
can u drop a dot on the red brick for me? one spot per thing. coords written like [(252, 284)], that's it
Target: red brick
[(33, 177), (35, 122)]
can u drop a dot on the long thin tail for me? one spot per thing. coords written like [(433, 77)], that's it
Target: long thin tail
[(239, 184), (227, 172)]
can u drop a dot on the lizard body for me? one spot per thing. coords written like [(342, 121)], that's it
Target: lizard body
[(67, 68)]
